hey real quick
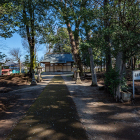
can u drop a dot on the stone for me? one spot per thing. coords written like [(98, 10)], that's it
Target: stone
[(126, 96), (33, 82), (78, 80), (74, 76), (39, 78)]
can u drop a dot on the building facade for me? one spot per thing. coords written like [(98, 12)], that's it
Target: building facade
[(55, 62)]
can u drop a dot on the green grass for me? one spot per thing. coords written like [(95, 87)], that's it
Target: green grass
[(53, 116)]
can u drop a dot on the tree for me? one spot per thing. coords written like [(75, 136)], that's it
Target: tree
[(70, 13), (55, 41), (107, 36), (27, 47), (27, 62), (87, 27), (84, 53), (16, 53), (31, 15), (2, 56), (118, 32), (7, 16), (61, 41), (128, 35), (7, 24)]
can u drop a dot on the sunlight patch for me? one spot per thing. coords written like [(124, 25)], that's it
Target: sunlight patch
[(76, 125), (102, 128), (54, 106), (36, 130), (46, 132), (121, 116)]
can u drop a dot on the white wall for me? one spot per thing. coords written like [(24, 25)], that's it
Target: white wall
[(51, 68), (47, 68), (58, 67)]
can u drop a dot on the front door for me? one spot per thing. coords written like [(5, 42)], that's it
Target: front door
[(59, 68)]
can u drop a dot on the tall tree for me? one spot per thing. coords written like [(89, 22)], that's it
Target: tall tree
[(107, 36), (119, 24), (7, 16), (61, 41), (16, 53), (31, 16), (27, 62), (2, 56), (70, 14)]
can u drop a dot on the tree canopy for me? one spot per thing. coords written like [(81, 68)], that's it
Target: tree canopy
[(108, 27)]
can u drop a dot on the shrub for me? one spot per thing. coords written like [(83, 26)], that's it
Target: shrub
[(124, 86), (112, 80)]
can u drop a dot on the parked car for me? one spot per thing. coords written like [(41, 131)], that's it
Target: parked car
[(6, 71)]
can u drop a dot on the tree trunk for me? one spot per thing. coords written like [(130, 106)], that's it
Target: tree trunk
[(30, 36), (74, 38), (32, 54), (129, 65), (32, 66), (31, 11), (93, 73), (19, 66), (108, 55), (135, 62), (120, 67), (101, 65), (104, 65), (107, 38), (75, 49), (132, 65)]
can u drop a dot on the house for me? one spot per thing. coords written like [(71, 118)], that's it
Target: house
[(1, 67), (11, 65), (6, 71), (58, 62), (15, 67)]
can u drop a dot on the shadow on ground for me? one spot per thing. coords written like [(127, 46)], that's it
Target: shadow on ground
[(102, 117), (53, 116)]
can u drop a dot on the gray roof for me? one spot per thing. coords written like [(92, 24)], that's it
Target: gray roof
[(10, 63), (58, 58)]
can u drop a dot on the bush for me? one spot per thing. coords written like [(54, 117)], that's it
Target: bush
[(124, 86), (112, 80)]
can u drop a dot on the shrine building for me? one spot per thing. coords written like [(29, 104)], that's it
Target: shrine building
[(58, 62)]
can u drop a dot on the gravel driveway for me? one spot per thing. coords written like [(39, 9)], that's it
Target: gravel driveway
[(102, 117), (20, 101)]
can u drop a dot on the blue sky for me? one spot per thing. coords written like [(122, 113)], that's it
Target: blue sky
[(16, 42)]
